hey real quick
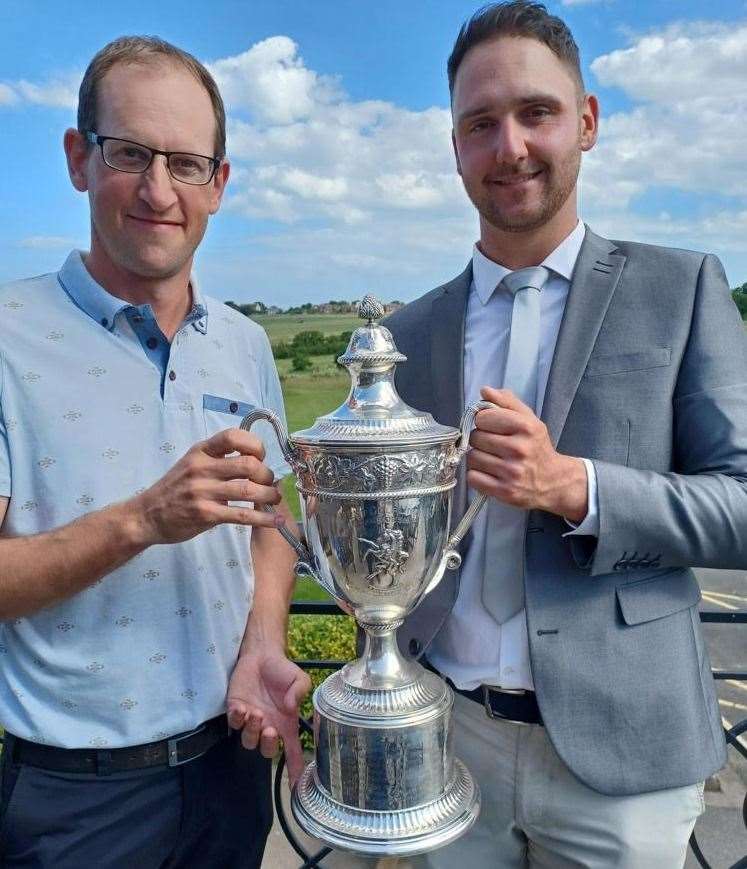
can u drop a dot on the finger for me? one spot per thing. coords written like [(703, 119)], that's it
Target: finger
[(505, 472), (232, 440), (227, 515), (514, 446), (499, 487), (243, 490), (243, 468), (344, 606), (236, 714), (268, 742), (499, 420), (504, 398), (293, 757), (252, 729)]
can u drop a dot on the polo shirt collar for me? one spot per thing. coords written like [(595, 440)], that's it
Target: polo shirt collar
[(103, 307), (487, 275)]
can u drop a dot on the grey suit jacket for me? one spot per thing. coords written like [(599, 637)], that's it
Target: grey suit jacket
[(649, 382)]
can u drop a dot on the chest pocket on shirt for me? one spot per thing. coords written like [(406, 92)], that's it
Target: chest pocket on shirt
[(221, 413)]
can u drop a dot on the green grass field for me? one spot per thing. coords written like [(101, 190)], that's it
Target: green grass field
[(282, 327), (307, 396)]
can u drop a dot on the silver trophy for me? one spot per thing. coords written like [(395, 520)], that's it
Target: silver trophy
[(375, 478)]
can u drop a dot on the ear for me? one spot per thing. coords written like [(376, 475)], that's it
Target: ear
[(77, 152), (218, 185), (456, 152), (589, 122)]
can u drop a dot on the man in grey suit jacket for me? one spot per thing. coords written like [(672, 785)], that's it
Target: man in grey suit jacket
[(592, 746)]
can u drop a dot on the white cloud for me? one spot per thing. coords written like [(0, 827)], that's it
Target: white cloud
[(683, 62), (7, 95), (56, 92), (270, 80), (723, 231), (368, 192), (687, 130), (47, 242)]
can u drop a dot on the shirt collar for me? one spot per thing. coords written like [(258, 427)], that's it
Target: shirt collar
[(103, 307), (486, 274)]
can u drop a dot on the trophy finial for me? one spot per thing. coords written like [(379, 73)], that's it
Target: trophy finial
[(370, 308)]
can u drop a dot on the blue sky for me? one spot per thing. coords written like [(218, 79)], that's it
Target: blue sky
[(343, 179)]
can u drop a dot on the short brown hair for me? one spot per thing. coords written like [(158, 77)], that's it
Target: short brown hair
[(516, 18), (146, 49)]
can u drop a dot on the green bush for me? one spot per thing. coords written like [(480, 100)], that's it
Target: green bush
[(301, 362), (740, 299), (324, 638), (311, 343)]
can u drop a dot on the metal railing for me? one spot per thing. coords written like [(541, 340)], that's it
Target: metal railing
[(322, 608), (319, 608)]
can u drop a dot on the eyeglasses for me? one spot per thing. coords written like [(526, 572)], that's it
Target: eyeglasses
[(126, 156)]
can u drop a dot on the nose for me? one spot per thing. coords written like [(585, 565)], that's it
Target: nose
[(510, 142), (157, 186)]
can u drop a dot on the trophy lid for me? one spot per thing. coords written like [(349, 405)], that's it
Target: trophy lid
[(373, 411)]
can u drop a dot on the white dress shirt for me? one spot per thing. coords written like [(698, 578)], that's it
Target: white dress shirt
[(471, 647)]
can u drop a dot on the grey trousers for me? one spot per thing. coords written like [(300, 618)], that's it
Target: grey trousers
[(535, 813)]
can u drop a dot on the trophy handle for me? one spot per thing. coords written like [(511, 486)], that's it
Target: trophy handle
[(305, 564), (451, 559)]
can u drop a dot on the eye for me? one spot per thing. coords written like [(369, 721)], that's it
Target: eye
[(480, 125), (538, 112), (129, 152)]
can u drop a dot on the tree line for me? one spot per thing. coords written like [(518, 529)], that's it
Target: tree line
[(739, 294), (310, 342)]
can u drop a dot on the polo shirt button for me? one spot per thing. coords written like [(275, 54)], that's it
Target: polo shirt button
[(172, 375), (104, 321), (152, 343), (233, 407)]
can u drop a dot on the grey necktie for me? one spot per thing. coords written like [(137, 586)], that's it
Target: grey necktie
[(503, 587)]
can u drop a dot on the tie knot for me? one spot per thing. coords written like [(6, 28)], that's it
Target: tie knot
[(535, 277)]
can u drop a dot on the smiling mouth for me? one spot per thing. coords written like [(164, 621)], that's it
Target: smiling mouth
[(154, 222), (513, 180)]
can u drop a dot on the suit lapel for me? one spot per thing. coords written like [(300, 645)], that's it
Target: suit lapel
[(447, 349), (593, 282), (448, 313)]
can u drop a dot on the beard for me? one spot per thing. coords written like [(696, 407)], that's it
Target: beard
[(559, 182)]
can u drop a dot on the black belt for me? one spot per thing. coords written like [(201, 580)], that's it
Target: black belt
[(520, 706), (175, 751), (508, 704)]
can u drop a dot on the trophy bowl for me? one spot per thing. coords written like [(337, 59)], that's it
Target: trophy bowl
[(375, 479)]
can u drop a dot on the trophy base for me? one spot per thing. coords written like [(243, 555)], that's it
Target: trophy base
[(387, 833)]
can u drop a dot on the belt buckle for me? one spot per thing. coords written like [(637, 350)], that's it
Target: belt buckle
[(486, 704), (173, 747), (489, 709)]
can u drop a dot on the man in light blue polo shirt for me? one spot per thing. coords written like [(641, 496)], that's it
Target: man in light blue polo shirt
[(138, 603)]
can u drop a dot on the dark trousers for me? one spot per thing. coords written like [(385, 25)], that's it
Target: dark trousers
[(214, 812)]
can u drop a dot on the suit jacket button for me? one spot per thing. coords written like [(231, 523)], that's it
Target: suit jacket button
[(415, 646)]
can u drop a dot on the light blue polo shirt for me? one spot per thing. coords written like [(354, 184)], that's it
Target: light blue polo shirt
[(95, 406)]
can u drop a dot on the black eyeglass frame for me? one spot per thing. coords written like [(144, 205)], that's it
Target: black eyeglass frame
[(96, 139)]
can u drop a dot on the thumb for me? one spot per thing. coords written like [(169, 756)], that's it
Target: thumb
[(294, 696)]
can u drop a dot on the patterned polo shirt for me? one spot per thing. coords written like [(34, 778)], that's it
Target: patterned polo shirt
[(95, 406)]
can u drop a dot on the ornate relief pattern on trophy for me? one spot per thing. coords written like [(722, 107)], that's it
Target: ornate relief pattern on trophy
[(381, 472)]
